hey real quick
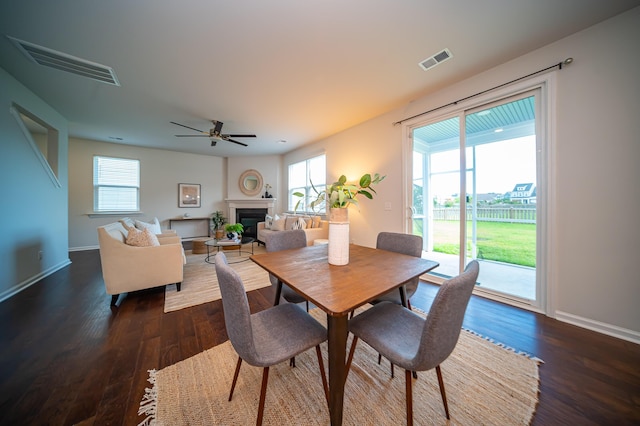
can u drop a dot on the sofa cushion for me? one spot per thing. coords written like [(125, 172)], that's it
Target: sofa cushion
[(144, 238), (299, 224), (279, 224), (154, 227), (268, 221)]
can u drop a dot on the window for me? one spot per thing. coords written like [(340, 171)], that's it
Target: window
[(116, 184), (301, 176)]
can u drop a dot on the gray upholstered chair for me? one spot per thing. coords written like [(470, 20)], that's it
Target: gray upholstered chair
[(415, 343), (400, 243), (253, 336), (286, 240)]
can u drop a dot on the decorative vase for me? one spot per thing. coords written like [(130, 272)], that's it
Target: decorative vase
[(338, 236)]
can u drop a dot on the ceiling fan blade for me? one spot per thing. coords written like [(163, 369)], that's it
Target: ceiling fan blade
[(239, 136), (192, 136), (239, 143), (178, 124)]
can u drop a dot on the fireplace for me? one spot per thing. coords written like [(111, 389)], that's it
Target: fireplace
[(249, 219)]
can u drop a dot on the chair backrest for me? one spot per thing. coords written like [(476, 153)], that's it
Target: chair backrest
[(285, 240), (402, 243), (444, 321), (237, 316)]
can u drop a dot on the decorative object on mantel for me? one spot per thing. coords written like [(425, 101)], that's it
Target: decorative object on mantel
[(218, 220), (250, 183), (189, 195), (337, 198), (267, 187)]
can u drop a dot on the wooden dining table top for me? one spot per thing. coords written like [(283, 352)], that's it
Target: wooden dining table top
[(338, 290)]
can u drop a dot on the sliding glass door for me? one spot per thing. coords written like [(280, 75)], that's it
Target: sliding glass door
[(474, 194)]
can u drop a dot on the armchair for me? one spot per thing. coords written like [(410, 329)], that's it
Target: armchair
[(127, 268)]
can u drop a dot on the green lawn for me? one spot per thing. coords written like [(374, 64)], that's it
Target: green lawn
[(513, 243)]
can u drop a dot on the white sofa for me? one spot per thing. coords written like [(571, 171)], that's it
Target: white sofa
[(321, 231), (128, 268)]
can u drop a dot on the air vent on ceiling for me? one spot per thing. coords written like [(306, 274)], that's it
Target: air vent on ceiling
[(64, 62), (435, 59)]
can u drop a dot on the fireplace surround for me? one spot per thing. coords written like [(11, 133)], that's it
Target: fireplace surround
[(253, 209)]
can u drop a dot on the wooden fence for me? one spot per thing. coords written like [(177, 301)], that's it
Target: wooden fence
[(504, 213)]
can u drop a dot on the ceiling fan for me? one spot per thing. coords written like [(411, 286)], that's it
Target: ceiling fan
[(214, 134)]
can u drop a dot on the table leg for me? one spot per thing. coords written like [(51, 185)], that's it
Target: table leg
[(337, 329), (278, 293), (403, 296)]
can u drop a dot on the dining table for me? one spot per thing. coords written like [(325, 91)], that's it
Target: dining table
[(339, 290)]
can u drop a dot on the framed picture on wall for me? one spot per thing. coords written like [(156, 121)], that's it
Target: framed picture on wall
[(189, 195)]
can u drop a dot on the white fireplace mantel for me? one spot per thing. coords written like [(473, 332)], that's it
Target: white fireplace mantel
[(249, 203)]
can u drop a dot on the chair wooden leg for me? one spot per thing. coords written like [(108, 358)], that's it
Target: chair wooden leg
[(442, 392), (350, 358), (409, 396), (235, 377), (322, 374), (263, 395)]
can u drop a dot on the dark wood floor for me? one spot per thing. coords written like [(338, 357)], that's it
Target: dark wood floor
[(68, 358)]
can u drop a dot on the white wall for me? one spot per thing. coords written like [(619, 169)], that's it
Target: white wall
[(160, 172), (597, 151), (33, 210), (268, 166)]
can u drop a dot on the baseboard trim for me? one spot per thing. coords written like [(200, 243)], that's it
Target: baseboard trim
[(600, 327), (30, 281), (84, 248)]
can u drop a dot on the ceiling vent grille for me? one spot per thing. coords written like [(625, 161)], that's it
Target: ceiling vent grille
[(64, 62), (436, 59)]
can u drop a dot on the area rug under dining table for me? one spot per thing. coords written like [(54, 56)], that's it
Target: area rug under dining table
[(485, 383)]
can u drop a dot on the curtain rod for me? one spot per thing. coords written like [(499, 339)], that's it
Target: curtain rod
[(559, 65)]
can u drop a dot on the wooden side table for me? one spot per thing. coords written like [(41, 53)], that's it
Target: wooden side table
[(198, 246)]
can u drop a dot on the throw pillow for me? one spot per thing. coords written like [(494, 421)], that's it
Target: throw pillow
[(316, 221), (144, 238), (153, 227), (291, 219), (278, 225), (268, 221), (308, 221), (299, 224)]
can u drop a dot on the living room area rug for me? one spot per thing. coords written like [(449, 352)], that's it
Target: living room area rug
[(200, 284), (485, 383)]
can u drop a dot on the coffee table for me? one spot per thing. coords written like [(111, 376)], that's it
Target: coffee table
[(242, 255)]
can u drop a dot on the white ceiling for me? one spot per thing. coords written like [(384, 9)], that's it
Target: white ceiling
[(288, 70)]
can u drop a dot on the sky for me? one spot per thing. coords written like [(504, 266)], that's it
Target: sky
[(499, 167)]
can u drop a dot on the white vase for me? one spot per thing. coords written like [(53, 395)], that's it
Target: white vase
[(338, 237)]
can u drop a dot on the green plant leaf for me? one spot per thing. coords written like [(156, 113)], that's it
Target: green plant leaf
[(365, 180), (366, 194)]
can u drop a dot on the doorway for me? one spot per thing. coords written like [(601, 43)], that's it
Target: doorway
[(475, 194)]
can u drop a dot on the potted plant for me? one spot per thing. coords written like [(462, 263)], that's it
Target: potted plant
[(341, 194), (218, 220), (234, 230), (336, 198)]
